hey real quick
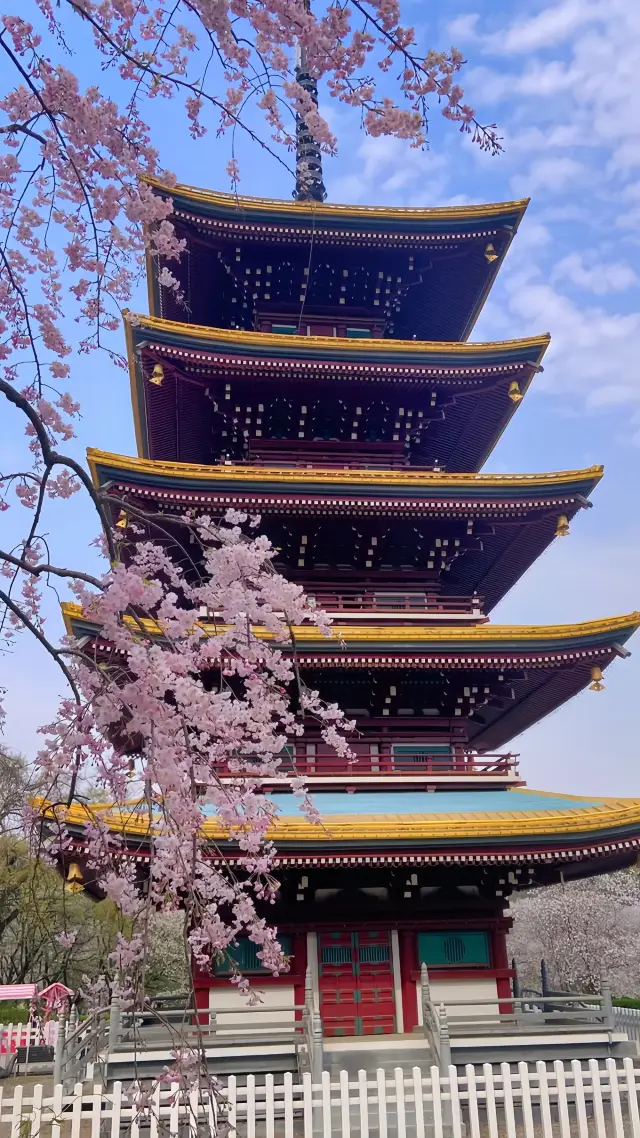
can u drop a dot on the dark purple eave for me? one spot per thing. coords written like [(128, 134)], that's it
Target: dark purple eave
[(457, 253), (174, 420), (577, 855), (518, 523), (544, 666)]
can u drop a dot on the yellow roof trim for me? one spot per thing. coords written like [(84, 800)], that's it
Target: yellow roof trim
[(272, 339), (325, 209), (410, 635), (605, 813), (245, 473)]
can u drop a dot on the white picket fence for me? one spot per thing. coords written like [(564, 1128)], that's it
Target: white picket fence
[(556, 1100)]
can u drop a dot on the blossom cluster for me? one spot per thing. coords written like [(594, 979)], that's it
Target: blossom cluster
[(194, 713)]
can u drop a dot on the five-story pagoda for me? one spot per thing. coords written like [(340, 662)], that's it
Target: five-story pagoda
[(317, 371)]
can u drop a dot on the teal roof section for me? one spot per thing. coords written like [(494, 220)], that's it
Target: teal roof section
[(372, 803)]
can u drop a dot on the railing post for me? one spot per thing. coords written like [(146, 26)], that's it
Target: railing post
[(317, 1057), (425, 994), (73, 1018), (58, 1050), (444, 1064), (114, 1024), (445, 1040), (607, 1003)]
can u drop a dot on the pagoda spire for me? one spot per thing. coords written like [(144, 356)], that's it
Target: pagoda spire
[(310, 186)]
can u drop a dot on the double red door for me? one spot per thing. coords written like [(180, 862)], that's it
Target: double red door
[(356, 983)]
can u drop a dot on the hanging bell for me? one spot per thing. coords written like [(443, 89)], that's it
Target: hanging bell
[(596, 679), (515, 394), (123, 520), (74, 881), (562, 527), (157, 375), (490, 253)]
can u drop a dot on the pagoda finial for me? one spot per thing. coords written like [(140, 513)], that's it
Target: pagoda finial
[(309, 184)]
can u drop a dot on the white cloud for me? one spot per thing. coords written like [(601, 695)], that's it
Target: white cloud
[(554, 25), (555, 172), (600, 277), (389, 171)]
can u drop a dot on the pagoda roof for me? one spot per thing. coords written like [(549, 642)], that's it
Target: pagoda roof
[(502, 523), (456, 252), (425, 221), (549, 663), (514, 825), (471, 380)]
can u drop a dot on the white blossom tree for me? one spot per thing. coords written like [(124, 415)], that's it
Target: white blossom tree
[(583, 930)]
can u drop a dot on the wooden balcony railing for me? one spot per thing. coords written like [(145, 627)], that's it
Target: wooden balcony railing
[(352, 598), (371, 759), (335, 453)]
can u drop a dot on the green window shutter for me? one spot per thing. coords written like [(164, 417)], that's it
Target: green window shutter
[(358, 333), (400, 749), (374, 953), (336, 954), (244, 956), (454, 949), (284, 329)]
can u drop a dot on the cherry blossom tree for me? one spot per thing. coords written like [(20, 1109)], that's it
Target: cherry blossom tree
[(164, 703)]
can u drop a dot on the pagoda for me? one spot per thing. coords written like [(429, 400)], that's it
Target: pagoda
[(317, 371)]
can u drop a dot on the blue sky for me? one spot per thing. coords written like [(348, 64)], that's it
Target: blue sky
[(561, 81)]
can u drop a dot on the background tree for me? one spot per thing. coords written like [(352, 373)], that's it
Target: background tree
[(582, 930)]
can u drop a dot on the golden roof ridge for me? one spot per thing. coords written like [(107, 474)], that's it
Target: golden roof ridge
[(245, 472), (199, 195)]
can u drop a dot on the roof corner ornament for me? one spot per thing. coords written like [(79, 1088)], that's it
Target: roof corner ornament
[(309, 184)]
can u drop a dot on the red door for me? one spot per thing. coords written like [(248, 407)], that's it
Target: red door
[(356, 983)]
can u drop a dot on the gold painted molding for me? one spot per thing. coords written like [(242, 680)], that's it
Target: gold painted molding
[(326, 210), (601, 814), (265, 340), (419, 478), (476, 634)]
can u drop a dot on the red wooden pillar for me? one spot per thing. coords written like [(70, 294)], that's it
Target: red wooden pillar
[(299, 968), (408, 965), (501, 964)]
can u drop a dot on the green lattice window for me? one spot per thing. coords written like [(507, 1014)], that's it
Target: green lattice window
[(454, 949), (244, 955), (284, 329), (358, 333)]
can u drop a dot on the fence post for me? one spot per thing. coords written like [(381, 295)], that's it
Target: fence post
[(607, 1003), (517, 990), (544, 978), (114, 1024), (58, 1050)]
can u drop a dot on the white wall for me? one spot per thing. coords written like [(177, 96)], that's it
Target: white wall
[(478, 988), (231, 1007)]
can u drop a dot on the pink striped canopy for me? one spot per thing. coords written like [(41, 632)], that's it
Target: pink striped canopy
[(18, 991)]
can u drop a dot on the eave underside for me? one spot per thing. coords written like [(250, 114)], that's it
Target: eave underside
[(445, 406)]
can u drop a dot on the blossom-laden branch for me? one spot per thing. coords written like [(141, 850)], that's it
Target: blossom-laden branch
[(191, 717)]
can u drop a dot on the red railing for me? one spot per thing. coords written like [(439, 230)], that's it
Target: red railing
[(328, 452), (373, 759), (351, 598)]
